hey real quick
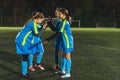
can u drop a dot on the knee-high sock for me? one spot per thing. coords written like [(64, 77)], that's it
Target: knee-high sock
[(30, 57), (63, 64), (56, 58), (24, 67), (39, 58), (68, 66)]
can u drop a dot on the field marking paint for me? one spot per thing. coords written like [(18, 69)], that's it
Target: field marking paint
[(103, 47)]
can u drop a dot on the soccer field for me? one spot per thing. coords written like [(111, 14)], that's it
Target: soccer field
[(96, 55)]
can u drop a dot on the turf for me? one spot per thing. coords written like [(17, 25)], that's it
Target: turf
[(96, 55)]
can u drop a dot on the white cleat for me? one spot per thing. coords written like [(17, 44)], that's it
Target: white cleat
[(66, 76), (31, 68), (40, 66), (60, 72)]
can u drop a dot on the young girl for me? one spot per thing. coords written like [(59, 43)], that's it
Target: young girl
[(67, 42), (39, 51), (58, 47), (27, 39)]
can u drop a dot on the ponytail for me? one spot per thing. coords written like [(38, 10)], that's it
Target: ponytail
[(28, 21), (70, 19), (65, 12)]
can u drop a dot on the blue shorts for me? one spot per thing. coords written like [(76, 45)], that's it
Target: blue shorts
[(38, 48), (22, 49), (31, 50), (58, 44), (67, 44), (68, 50)]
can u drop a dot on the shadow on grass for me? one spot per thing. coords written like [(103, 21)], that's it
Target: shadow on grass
[(52, 75), (11, 58)]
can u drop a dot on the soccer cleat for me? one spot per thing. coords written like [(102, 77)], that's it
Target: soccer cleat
[(66, 76), (40, 67), (55, 67), (60, 72), (31, 68)]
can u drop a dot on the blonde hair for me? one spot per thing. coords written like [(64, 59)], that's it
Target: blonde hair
[(58, 8), (35, 15)]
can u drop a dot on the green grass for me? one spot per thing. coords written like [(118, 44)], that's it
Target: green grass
[(96, 55)]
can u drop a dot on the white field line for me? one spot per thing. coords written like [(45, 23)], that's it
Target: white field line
[(104, 47)]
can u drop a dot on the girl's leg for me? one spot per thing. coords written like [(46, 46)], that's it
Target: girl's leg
[(30, 59), (56, 59), (39, 58), (68, 66), (63, 64), (24, 64), (68, 62)]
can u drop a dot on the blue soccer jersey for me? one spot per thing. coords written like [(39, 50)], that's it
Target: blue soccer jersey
[(58, 39), (66, 36), (57, 24), (26, 40)]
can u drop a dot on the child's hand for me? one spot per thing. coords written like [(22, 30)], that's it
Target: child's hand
[(45, 41), (45, 25), (49, 18)]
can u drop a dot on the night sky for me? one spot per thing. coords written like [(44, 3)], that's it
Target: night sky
[(95, 9), (51, 4)]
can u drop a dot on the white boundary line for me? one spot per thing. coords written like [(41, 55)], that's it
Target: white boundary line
[(104, 47)]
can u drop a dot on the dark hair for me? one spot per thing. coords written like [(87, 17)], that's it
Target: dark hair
[(35, 15), (65, 12)]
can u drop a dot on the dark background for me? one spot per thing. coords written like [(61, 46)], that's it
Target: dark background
[(91, 13)]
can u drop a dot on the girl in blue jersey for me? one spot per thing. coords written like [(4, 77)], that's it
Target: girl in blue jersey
[(67, 42), (58, 47), (39, 49), (66, 39), (28, 40)]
